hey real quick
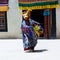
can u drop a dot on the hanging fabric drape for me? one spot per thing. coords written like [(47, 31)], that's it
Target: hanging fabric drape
[(3, 5), (37, 4)]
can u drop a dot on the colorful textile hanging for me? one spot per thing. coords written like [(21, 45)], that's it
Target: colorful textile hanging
[(3, 5), (37, 4)]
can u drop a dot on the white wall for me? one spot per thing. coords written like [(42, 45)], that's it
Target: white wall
[(58, 22), (13, 21)]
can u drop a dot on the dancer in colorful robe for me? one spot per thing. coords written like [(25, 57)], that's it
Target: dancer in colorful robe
[(29, 35)]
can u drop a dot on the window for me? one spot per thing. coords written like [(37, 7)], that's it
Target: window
[(3, 1), (3, 21)]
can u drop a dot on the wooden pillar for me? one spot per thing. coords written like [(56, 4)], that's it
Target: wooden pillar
[(47, 23), (46, 33)]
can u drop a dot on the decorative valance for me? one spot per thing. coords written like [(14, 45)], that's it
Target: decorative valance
[(3, 5), (3, 8), (37, 4)]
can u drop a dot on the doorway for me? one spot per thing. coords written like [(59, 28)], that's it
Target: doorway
[(37, 15)]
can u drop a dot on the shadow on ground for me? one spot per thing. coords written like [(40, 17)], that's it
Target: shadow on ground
[(39, 51), (42, 50)]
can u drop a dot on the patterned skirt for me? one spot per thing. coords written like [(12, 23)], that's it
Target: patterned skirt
[(29, 37)]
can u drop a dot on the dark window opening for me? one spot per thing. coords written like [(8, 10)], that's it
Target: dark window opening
[(3, 21)]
